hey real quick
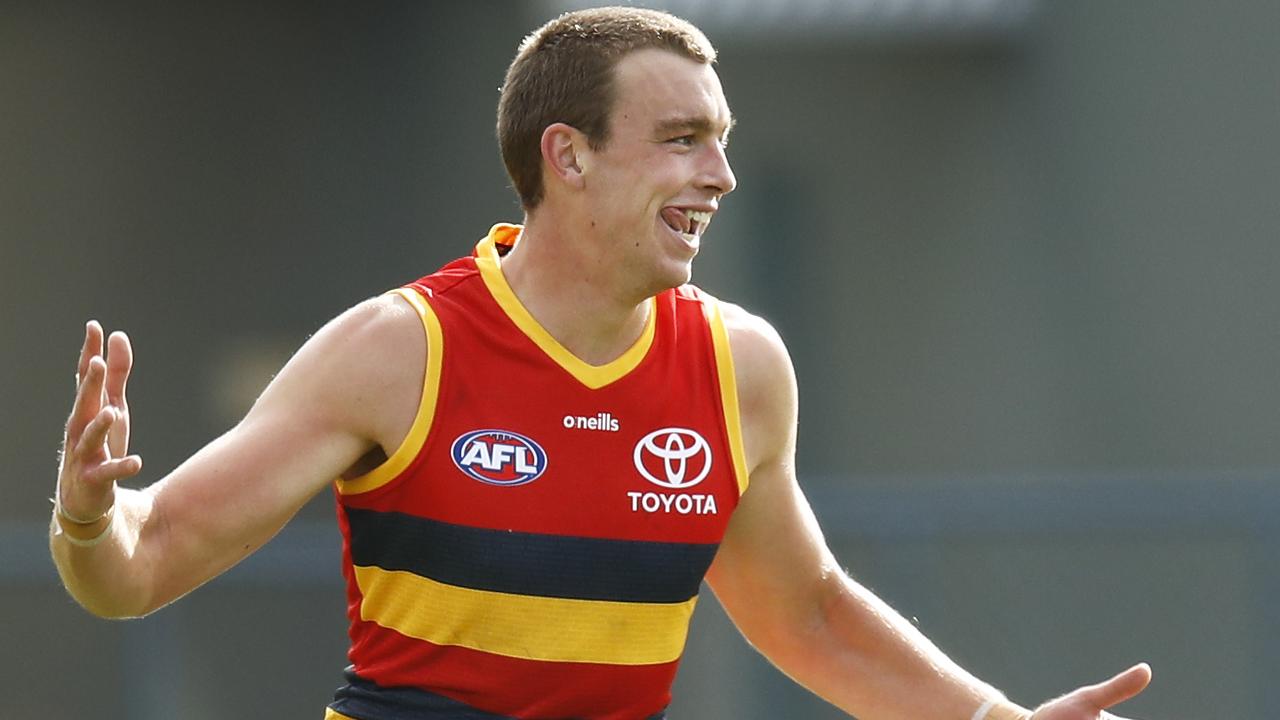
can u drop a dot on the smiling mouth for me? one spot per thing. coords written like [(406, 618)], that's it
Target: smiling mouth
[(688, 223)]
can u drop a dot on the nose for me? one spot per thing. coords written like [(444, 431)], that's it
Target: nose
[(717, 175)]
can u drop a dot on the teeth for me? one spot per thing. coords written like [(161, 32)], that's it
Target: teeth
[(698, 216)]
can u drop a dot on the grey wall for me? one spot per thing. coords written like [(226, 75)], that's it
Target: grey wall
[(1027, 280)]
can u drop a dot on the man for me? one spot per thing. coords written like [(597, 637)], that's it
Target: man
[(542, 449)]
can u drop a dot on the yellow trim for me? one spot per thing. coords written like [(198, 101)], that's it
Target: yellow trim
[(593, 376), (524, 626), (408, 450), (331, 714), (728, 392)]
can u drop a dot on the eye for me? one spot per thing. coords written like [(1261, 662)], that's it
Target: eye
[(683, 140)]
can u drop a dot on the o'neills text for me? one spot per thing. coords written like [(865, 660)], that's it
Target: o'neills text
[(600, 421)]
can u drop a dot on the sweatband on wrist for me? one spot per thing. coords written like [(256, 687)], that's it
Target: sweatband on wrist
[(1000, 709), (64, 515), (69, 533)]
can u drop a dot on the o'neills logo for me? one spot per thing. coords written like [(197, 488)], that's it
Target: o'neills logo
[(677, 459), (499, 457), (600, 421)]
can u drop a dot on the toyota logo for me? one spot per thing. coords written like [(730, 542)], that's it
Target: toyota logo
[(680, 454)]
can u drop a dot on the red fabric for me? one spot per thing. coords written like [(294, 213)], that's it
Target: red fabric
[(495, 377)]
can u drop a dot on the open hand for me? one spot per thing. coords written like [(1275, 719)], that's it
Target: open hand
[(96, 444), (1091, 702)]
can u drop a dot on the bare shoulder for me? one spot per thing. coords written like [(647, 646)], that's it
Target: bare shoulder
[(366, 343), (383, 325), (362, 371), (760, 358), (766, 383)]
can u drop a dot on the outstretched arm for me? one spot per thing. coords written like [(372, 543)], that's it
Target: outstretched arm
[(351, 389), (818, 625)]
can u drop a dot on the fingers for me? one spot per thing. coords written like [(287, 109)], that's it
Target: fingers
[(98, 428), (91, 442), (88, 399), (119, 363), (101, 380), (90, 463), (1119, 688), (92, 347), (88, 404), (102, 475)]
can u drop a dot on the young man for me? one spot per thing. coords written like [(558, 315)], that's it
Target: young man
[(542, 449)]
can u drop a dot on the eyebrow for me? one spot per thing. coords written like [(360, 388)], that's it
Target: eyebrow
[(698, 124)]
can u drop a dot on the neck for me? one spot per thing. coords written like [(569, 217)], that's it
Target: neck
[(567, 283)]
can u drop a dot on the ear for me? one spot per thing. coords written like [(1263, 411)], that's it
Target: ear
[(564, 151)]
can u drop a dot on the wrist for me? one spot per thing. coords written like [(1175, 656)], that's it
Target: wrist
[(1001, 709), (66, 517), (83, 533)]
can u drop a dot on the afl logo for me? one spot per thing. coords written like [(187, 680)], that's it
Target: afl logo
[(499, 457), (673, 457)]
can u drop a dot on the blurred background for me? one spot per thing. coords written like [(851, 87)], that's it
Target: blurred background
[(1024, 254)]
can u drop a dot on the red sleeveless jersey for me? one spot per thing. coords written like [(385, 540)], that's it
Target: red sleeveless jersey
[(535, 547)]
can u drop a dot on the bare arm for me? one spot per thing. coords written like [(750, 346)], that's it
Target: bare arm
[(350, 389), (819, 626)]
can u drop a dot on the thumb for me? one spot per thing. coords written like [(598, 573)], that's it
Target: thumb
[(1117, 689)]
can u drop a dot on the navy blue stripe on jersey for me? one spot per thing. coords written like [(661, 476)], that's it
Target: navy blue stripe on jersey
[(528, 563), (366, 700)]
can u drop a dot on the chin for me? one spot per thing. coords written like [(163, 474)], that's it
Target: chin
[(675, 275)]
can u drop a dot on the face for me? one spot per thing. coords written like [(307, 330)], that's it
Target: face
[(655, 185)]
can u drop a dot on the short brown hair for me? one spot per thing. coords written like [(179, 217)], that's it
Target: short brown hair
[(563, 72)]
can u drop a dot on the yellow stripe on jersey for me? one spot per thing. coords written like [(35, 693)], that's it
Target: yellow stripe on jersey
[(408, 450), (728, 392), (593, 376), (331, 714), (524, 626)]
